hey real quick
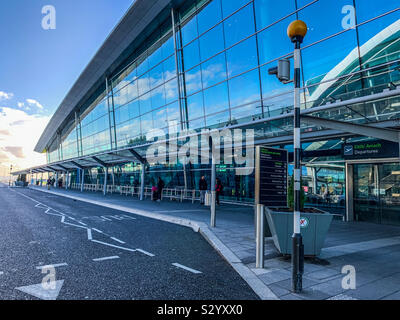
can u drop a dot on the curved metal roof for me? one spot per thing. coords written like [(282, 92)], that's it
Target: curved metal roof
[(105, 62)]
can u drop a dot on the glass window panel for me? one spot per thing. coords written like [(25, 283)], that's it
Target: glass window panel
[(242, 57), (214, 70), (155, 58), (239, 26), (328, 60), (158, 97), (245, 113), (191, 55), (211, 43), (216, 99), (193, 80), (230, 6), (197, 124), (142, 67), (195, 106), (145, 103), (189, 31), (268, 12), (323, 18), (245, 89), (209, 16), (144, 84), (379, 40), (168, 47), (169, 68), (171, 91), (273, 42), (156, 76), (133, 109), (173, 113), (160, 118), (218, 120), (147, 122), (367, 9)]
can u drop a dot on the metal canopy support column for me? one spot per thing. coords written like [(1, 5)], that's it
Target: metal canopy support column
[(66, 179), (56, 184), (363, 130), (105, 180), (143, 175), (213, 183), (82, 179), (41, 180)]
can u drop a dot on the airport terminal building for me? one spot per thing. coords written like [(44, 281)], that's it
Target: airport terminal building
[(179, 65)]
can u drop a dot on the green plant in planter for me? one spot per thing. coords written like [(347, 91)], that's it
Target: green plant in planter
[(291, 195)]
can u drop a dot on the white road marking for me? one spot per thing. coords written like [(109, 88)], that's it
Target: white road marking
[(105, 218), (145, 252), (89, 234), (186, 268), (1, 273), (105, 258), (97, 230), (52, 266), (114, 246), (38, 291), (115, 239), (168, 211)]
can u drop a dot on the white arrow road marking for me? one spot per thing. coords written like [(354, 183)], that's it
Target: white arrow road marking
[(48, 210), (38, 291), (52, 266), (106, 258), (186, 268), (1, 273)]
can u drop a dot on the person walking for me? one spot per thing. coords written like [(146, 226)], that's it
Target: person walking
[(203, 189), (218, 189), (160, 187)]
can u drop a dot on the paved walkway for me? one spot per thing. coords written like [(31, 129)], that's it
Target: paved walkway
[(373, 250)]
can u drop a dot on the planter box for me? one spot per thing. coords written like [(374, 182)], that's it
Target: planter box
[(313, 231)]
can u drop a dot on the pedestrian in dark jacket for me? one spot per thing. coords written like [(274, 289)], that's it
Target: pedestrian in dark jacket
[(218, 189), (203, 189), (160, 187)]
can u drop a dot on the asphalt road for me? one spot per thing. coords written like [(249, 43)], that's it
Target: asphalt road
[(101, 253)]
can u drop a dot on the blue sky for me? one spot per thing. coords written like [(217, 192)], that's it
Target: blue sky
[(38, 67), (43, 64)]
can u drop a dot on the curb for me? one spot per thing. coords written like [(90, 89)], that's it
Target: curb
[(252, 280)]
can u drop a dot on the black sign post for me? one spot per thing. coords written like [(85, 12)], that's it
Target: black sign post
[(271, 190)]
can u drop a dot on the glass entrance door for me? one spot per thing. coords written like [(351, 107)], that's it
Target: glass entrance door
[(377, 193)]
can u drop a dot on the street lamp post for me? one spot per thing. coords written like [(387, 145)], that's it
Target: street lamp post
[(296, 32), (10, 183)]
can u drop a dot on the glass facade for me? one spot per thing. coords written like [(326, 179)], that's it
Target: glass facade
[(209, 69)]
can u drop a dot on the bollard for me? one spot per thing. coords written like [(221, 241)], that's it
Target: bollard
[(213, 214), (260, 237)]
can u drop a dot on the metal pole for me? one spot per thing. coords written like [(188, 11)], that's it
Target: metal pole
[(83, 179), (142, 182), (260, 237), (296, 32), (41, 180), (105, 180), (213, 192), (66, 180), (56, 184)]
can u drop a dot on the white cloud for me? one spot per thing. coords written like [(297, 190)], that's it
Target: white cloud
[(34, 103), (21, 105), (5, 95), (22, 133)]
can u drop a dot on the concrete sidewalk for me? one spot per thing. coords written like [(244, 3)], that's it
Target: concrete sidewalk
[(367, 247)]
